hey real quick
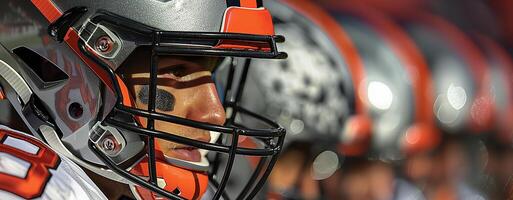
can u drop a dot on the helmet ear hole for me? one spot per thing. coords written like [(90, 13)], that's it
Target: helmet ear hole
[(75, 110)]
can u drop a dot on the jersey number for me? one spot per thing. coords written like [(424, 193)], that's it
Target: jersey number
[(38, 174)]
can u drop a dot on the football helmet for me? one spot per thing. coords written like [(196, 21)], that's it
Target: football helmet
[(463, 102), (480, 29), (500, 66), (63, 65), (398, 98)]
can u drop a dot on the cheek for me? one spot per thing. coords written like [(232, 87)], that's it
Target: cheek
[(164, 145), (164, 126)]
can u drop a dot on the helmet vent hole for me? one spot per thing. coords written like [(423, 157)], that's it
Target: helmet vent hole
[(75, 110)]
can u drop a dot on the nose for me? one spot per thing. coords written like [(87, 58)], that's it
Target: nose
[(204, 105)]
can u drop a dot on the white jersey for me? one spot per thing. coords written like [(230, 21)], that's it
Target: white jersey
[(30, 169)]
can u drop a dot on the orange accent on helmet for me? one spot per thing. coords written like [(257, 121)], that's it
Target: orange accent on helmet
[(190, 184), (256, 21), (248, 3), (420, 138), (357, 136), (127, 97), (2, 95), (48, 9)]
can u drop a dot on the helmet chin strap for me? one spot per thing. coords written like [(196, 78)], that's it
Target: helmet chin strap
[(202, 165)]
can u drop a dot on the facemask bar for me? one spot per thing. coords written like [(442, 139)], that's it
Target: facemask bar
[(183, 43)]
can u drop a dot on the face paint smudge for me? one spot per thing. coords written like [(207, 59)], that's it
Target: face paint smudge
[(165, 101)]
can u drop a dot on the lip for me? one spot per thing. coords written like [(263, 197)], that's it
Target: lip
[(189, 157), (187, 153)]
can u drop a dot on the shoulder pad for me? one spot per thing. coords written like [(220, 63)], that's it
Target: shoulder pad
[(30, 169)]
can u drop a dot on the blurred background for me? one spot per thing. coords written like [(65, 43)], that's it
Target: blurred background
[(381, 99)]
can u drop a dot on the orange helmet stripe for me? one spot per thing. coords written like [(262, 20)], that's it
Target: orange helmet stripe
[(2, 95), (48, 9), (248, 3)]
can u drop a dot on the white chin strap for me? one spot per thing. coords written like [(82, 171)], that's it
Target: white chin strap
[(202, 165)]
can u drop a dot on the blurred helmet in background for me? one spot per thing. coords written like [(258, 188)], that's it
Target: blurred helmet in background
[(398, 97), (311, 94), (462, 104), (500, 66)]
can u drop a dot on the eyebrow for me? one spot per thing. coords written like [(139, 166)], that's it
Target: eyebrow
[(208, 63), (170, 68)]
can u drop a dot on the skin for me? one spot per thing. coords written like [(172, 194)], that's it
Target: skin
[(184, 89)]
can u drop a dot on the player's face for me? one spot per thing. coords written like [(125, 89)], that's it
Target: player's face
[(184, 89)]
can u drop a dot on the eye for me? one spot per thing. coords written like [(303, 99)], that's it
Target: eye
[(175, 70)]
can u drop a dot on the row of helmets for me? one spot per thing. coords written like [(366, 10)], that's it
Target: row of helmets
[(378, 81)]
